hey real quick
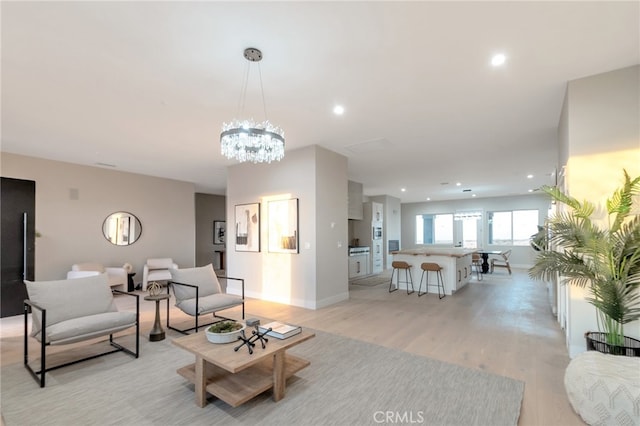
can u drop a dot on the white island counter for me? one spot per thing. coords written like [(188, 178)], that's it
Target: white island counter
[(455, 263)]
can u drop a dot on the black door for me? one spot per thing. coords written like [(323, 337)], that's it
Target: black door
[(18, 242)]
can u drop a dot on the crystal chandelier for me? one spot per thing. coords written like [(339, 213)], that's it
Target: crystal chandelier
[(247, 140)]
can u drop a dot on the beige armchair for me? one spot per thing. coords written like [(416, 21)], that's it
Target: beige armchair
[(75, 310), (117, 275), (157, 270), (198, 292)]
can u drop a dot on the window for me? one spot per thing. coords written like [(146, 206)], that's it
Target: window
[(467, 228), (512, 228), (470, 233), (434, 229)]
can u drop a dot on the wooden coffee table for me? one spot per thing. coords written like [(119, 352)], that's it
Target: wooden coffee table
[(236, 377)]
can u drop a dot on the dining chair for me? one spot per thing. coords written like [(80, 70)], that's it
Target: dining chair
[(476, 264), (502, 263)]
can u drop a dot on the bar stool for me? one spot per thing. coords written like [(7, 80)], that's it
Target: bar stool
[(476, 263), (433, 267), (399, 265)]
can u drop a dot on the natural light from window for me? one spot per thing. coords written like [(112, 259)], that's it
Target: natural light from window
[(434, 229), (512, 227)]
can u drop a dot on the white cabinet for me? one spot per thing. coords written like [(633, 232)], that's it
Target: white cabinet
[(358, 266), (463, 271), (364, 231), (377, 213), (376, 257)]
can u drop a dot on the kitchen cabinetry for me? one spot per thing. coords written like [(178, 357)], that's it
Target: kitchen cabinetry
[(377, 212), (365, 231), (358, 266), (376, 257), (455, 264), (463, 271), (354, 201)]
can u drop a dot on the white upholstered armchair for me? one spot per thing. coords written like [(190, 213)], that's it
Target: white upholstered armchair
[(117, 275), (157, 270)]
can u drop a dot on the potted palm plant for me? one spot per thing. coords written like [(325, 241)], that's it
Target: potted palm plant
[(603, 258)]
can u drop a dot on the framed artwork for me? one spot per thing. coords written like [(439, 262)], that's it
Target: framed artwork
[(219, 231), (247, 227), (283, 226)]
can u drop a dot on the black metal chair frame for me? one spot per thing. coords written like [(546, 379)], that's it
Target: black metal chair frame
[(439, 284), (197, 326), (408, 279), (39, 375)]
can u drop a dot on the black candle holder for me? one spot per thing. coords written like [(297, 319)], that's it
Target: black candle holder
[(256, 335)]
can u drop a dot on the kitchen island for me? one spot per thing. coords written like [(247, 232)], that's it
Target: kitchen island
[(455, 263)]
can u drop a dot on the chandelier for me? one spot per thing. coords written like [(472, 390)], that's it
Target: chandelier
[(247, 140)]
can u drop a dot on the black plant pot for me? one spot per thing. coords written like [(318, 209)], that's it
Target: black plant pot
[(597, 341)]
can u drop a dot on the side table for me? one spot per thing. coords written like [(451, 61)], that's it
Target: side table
[(130, 284), (157, 333)]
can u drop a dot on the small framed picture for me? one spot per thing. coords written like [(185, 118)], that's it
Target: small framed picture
[(219, 232)]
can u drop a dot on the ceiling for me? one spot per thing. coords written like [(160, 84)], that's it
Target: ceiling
[(144, 87)]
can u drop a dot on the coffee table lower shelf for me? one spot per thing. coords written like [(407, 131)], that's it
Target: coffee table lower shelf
[(237, 388)]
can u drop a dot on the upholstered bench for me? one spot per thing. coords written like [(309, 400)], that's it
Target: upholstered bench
[(74, 310), (604, 389)]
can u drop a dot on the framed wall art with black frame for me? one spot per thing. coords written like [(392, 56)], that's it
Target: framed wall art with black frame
[(219, 231), (247, 227)]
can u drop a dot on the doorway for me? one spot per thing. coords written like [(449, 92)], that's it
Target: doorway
[(467, 232), (18, 198)]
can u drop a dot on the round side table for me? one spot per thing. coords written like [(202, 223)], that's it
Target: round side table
[(130, 284), (157, 333)]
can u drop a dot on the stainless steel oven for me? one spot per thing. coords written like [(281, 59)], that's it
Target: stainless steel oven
[(377, 233)]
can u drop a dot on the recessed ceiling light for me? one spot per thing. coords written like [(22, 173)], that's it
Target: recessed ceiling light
[(458, 183), (403, 189), (428, 198), (338, 110), (473, 195), (498, 60), (529, 176), (531, 190)]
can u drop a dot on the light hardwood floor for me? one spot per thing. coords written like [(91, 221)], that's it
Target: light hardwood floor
[(502, 325)]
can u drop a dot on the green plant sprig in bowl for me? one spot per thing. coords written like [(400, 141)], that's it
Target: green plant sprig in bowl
[(224, 327)]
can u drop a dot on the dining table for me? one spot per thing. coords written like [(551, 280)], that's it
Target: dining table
[(485, 258)]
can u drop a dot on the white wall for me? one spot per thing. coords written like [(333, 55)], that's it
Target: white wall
[(521, 256), (332, 269), (71, 229), (602, 123), (209, 208), (317, 275)]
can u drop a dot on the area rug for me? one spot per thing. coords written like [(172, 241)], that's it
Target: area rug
[(372, 281), (349, 382)]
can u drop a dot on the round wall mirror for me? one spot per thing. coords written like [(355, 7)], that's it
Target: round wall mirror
[(121, 228)]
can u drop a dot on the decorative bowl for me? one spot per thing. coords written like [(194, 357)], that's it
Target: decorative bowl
[(225, 337)]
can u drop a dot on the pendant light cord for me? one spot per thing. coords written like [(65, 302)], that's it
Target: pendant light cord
[(243, 91), (264, 103)]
